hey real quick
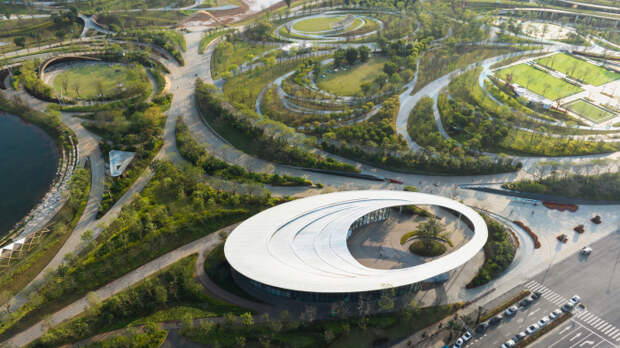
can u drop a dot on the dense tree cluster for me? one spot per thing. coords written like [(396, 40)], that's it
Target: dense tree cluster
[(171, 41), (499, 251), (197, 155), (601, 187)]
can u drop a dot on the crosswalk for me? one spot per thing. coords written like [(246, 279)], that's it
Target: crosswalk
[(585, 317)]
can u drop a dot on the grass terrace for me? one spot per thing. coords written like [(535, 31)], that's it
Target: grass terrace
[(348, 82), (317, 23), (538, 81), (96, 80), (579, 69), (590, 111)]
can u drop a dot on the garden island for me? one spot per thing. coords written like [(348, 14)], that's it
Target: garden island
[(264, 173)]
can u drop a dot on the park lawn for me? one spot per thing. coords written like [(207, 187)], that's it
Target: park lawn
[(91, 79), (317, 24), (538, 81), (348, 82), (579, 69), (236, 53), (590, 111)]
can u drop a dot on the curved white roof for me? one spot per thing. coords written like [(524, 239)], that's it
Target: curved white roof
[(302, 245)]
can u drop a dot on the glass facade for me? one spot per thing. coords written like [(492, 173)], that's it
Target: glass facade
[(374, 216)]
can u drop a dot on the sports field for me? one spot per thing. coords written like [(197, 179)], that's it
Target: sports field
[(317, 24), (89, 80), (348, 82), (579, 69), (538, 81), (589, 111)]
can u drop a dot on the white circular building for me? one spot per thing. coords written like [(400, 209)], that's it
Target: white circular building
[(298, 250)]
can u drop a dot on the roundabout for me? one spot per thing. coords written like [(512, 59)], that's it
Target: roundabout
[(299, 249)]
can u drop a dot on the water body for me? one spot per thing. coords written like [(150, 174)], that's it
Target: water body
[(28, 163)]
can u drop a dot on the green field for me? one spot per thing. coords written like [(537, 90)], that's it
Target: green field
[(88, 81), (538, 81), (579, 69), (589, 111), (317, 23), (348, 82)]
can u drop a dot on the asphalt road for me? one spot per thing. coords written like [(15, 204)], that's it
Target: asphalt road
[(596, 279)]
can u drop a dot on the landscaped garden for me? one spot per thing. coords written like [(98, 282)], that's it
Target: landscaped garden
[(590, 111), (100, 81), (579, 69), (348, 81), (316, 24), (538, 81)]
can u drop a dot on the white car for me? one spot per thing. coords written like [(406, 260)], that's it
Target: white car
[(574, 300), (508, 344), (542, 322), (585, 251), (459, 342), (466, 336), (556, 313), (532, 328)]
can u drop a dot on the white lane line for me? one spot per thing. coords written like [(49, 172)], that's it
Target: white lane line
[(568, 328), (614, 332), (616, 336), (609, 330), (598, 320), (601, 325), (585, 316), (581, 340), (592, 320), (595, 334), (530, 283), (533, 312), (604, 327)]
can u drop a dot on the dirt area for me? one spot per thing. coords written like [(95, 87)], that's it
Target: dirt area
[(378, 245)]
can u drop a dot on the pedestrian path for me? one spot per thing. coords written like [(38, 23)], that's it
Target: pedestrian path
[(585, 317)]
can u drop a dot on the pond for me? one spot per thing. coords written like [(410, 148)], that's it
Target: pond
[(28, 163)]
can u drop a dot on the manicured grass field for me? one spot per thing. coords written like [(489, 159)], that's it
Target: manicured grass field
[(348, 82), (92, 79), (579, 69), (539, 82), (589, 111), (317, 23)]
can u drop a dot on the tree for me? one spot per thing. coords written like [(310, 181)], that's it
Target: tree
[(60, 34), (364, 53), (20, 41), (351, 55), (247, 320), (389, 68), (430, 231)]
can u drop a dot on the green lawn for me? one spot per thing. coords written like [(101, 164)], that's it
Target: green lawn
[(590, 111), (579, 69), (317, 23), (538, 81), (87, 81), (348, 82), (229, 54)]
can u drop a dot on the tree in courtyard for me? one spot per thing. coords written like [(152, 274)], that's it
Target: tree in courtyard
[(351, 55), (430, 231)]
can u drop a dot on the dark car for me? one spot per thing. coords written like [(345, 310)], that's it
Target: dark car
[(536, 295), (525, 302), (568, 307), (482, 327), (496, 319)]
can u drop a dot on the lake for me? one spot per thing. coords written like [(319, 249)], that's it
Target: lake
[(28, 163)]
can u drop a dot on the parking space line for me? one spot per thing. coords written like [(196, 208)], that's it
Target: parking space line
[(581, 340), (570, 329), (595, 334)]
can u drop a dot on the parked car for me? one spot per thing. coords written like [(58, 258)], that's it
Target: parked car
[(526, 301), (459, 342), (509, 312), (596, 219), (508, 344), (496, 319), (579, 229), (536, 295), (544, 321), (562, 238), (556, 313), (574, 300), (532, 328), (585, 250), (522, 335), (466, 336), (568, 307), (482, 327)]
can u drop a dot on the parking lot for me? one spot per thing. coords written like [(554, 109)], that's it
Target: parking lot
[(596, 278)]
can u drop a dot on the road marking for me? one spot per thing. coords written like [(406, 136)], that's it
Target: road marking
[(609, 330), (564, 330), (603, 327), (588, 343), (533, 312), (575, 337), (581, 340), (594, 333), (595, 321), (615, 331)]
